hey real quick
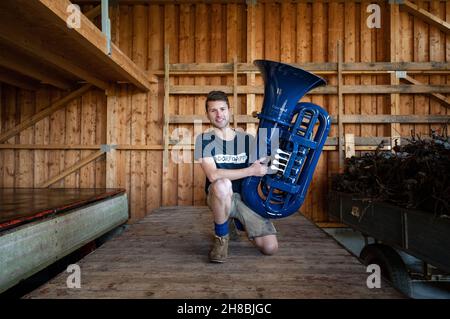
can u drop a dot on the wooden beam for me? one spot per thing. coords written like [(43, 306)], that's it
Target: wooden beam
[(112, 132), (395, 88), (72, 169), (396, 66), (331, 225), (345, 118), (394, 41), (119, 147), (45, 112), (424, 15), (319, 68), (17, 80), (53, 16), (167, 180), (17, 36), (118, 61), (251, 54), (94, 12), (441, 98), (20, 64), (124, 65), (90, 37), (49, 147), (330, 89), (330, 145), (229, 89), (135, 2), (235, 93), (167, 92), (401, 119), (151, 147), (340, 106), (191, 119)]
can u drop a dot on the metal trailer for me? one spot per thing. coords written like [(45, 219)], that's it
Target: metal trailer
[(417, 233)]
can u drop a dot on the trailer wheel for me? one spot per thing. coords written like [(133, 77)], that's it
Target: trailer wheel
[(391, 265)]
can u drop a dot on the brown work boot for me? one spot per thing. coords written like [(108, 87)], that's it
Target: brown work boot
[(219, 252)]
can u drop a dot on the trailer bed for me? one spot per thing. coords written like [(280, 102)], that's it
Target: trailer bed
[(165, 254), (423, 235)]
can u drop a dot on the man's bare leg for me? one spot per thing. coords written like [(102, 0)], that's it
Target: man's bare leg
[(220, 201), (220, 204), (268, 245)]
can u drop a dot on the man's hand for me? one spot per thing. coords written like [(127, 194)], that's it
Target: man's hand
[(259, 168)]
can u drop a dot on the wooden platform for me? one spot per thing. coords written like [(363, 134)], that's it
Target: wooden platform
[(24, 205), (165, 256), (41, 226)]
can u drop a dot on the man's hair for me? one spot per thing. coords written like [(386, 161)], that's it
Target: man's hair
[(216, 96)]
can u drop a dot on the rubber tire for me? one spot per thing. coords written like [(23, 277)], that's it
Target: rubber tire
[(391, 265)]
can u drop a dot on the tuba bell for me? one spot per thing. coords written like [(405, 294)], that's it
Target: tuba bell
[(291, 135)]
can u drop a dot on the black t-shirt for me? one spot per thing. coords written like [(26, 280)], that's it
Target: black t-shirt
[(233, 154)]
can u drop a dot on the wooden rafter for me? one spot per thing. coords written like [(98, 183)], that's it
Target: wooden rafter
[(44, 113), (19, 37), (73, 168), (93, 13), (39, 28), (21, 65), (441, 98), (93, 40), (424, 15), (12, 78)]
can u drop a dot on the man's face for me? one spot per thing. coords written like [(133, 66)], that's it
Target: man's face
[(218, 113)]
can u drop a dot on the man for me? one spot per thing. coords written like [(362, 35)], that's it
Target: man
[(223, 154)]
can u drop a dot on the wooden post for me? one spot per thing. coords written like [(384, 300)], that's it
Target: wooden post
[(112, 130), (394, 48), (340, 108), (166, 108), (235, 99), (202, 46), (165, 182), (251, 39)]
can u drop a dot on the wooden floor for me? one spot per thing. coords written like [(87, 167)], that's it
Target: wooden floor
[(165, 256)]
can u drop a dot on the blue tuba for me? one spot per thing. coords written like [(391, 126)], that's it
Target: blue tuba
[(291, 135)]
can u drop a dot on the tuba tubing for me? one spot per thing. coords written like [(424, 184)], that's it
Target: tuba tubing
[(291, 134)]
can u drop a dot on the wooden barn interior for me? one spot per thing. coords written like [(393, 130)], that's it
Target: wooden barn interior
[(96, 108)]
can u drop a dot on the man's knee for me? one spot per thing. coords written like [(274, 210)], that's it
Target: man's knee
[(268, 246), (222, 188)]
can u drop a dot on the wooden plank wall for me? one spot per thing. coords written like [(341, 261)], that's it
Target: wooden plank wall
[(215, 32), (81, 122)]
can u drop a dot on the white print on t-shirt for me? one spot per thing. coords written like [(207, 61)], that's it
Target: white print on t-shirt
[(230, 159)]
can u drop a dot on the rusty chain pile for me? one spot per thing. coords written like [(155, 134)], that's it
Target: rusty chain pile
[(415, 175)]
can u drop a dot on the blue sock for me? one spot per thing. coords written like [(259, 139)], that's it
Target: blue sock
[(221, 229), (238, 224)]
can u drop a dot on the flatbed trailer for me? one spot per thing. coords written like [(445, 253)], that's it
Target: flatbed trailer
[(421, 234)]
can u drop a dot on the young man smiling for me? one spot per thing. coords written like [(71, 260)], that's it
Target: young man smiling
[(224, 155)]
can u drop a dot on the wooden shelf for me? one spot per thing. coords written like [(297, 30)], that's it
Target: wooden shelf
[(34, 37)]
